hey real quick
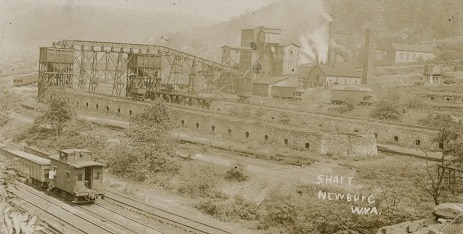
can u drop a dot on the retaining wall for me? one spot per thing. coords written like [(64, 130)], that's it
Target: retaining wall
[(410, 136), (239, 129)]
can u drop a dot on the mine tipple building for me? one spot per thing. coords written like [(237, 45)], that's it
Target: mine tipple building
[(261, 50)]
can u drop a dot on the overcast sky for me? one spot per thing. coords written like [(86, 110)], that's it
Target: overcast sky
[(215, 9)]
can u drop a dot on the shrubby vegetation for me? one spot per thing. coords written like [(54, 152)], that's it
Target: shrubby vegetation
[(58, 129), (8, 100), (198, 180), (237, 208), (236, 172), (387, 110), (149, 149)]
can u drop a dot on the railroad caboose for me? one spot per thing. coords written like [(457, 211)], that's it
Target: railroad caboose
[(78, 176)]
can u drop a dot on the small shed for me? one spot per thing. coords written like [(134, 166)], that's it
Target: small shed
[(263, 86), (432, 74)]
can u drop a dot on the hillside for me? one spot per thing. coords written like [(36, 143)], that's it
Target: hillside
[(25, 28), (391, 21)]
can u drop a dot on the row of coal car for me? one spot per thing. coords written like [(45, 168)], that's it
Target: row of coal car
[(79, 178), (25, 79)]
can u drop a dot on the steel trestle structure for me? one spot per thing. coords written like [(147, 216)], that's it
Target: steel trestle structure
[(86, 65)]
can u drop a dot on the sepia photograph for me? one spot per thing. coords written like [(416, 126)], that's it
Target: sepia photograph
[(231, 116)]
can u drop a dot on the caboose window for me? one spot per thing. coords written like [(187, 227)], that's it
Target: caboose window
[(97, 175), (80, 176)]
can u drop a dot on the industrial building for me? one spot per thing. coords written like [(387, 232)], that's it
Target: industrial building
[(409, 53), (261, 51), (329, 75)]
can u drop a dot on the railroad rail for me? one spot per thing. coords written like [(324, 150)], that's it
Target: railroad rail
[(66, 220), (180, 223), (123, 222)]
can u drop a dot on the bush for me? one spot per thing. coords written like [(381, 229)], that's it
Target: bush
[(197, 180), (387, 110), (229, 210), (236, 172), (436, 120)]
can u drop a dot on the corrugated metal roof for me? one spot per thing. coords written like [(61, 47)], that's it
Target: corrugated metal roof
[(411, 47), (270, 80), (339, 70), (31, 157)]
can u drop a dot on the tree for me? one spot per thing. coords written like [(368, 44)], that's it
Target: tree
[(450, 140), (58, 113), (149, 148)]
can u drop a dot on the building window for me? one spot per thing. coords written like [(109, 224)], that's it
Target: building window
[(183, 123), (229, 131), (197, 125), (266, 138), (376, 135), (286, 141), (80, 176), (307, 146), (247, 134), (432, 98), (130, 112), (396, 138), (417, 142), (86, 104), (97, 106), (107, 109), (118, 110)]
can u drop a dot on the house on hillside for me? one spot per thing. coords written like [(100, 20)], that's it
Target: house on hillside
[(409, 53), (329, 75), (432, 74)]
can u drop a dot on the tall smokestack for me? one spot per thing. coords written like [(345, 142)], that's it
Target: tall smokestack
[(330, 34), (367, 57)]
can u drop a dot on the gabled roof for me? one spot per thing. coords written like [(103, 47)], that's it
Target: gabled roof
[(270, 80), (411, 47), (340, 70)]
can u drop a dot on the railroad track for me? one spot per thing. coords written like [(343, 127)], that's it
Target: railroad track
[(123, 222), (63, 219), (177, 223)]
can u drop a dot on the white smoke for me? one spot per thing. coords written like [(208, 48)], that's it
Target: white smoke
[(315, 42)]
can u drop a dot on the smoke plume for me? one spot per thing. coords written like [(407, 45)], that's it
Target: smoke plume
[(315, 39)]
